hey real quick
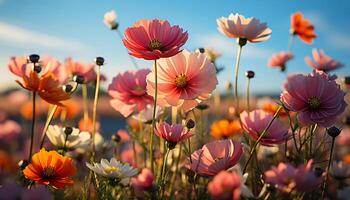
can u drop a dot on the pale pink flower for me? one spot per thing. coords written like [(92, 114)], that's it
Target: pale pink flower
[(51, 64), (18, 66), (316, 98), (237, 26), (279, 60), (78, 68), (172, 133), (225, 186), (322, 61), (128, 92), (144, 181), (154, 39), (287, 178), (256, 121), (123, 135), (215, 156), (9, 130), (184, 80), (344, 137)]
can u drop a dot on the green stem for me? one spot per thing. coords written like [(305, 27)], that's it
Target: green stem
[(248, 95), (33, 128), (47, 123), (94, 112), (260, 137), (328, 167), (236, 77), (85, 104), (154, 115)]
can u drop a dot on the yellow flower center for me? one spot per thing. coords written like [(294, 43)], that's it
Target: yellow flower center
[(138, 88), (314, 102), (48, 172), (155, 44), (112, 169), (181, 80)]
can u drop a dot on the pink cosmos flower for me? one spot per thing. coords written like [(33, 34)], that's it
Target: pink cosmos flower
[(144, 181), (322, 61), (316, 98), (172, 133), (225, 186), (237, 26), (128, 92), (77, 68), (154, 39), (280, 59), (287, 178), (9, 130), (184, 80), (215, 157), (256, 121), (19, 67)]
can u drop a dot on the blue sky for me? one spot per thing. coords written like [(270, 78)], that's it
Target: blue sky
[(75, 28)]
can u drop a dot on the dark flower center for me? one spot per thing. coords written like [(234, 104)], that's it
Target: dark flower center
[(138, 88), (155, 44), (314, 102), (218, 159), (48, 173), (181, 81)]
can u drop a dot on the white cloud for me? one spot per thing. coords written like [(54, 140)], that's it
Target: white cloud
[(18, 36), (227, 47)]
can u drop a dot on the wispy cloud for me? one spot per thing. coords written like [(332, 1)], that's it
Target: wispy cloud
[(333, 36), (18, 36), (226, 47)]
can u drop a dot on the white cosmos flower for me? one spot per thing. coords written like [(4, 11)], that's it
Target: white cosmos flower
[(75, 139), (146, 114), (114, 169), (110, 19)]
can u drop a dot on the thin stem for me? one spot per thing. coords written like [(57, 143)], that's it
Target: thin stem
[(328, 167), (47, 123), (131, 58), (154, 115), (236, 77), (260, 137), (248, 95), (293, 131), (94, 111), (85, 103), (290, 42), (189, 149), (134, 152), (33, 128), (173, 178), (164, 168)]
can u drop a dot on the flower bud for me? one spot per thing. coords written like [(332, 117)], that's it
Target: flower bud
[(347, 80), (249, 74), (79, 79), (37, 68), (99, 61), (201, 50), (190, 124), (33, 58), (68, 130), (171, 145), (242, 41), (116, 138), (67, 88), (333, 131), (23, 164), (202, 106)]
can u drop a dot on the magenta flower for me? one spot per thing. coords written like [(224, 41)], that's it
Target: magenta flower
[(279, 60), (322, 61), (287, 178), (77, 68), (316, 98), (225, 186), (256, 121), (144, 181), (183, 80), (128, 92), (154, 39), (215, 157), (172, 133)]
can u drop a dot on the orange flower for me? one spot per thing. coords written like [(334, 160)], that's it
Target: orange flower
[(50, 168), (272, 107), (225, 128), (302, 27), (47, 86), (71, 107), (346, 159)]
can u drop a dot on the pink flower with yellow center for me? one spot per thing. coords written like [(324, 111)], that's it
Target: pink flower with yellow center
[(322, 61), (128, 92), (154, 39), (184, 80)]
